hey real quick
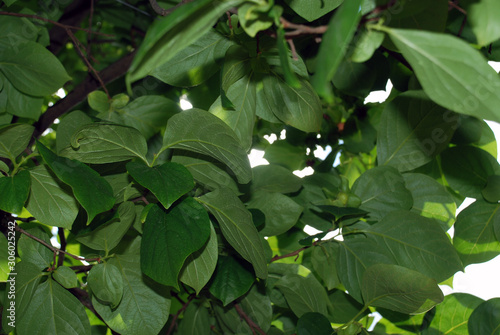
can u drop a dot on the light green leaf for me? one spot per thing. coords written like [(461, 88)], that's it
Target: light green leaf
[(196, 63), (200, 265), (68, 126), (15, 190), (168, 182), (303, 294), (196, 321), (451, 72), (99, 101), (65, 276), (382, 190), (100, 143), (145, 305), (366, 45), (237, 227), (400, 289), (430, 199), (241, 119), (274, 178), (199, 131), (106, 283), (89, 188), (314, 9), (324, 261), (168, 36), (108, 234), (484, 21), (56, 309), (400, 238), (34, 252), (170, 237), (486, 318), (341, 28), (412, 131), (231, 280), (452, 315), (281, 212), (14, 138), (51, 201), (33, 70), (474, 236)]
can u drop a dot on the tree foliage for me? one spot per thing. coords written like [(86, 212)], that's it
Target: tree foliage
[(163, 225)]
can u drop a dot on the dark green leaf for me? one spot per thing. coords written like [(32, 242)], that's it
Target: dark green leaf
[(68, 126), (106, 283), (287, 155), (486, 318), (491, 192), (168, 182), (15, 191), (344, 308), (257, 305), (14, 138), (237, 227), (89, 188), (474, 236), (274, 178), (34, 252), (65, 276), (324, 261), (343, 212), (196, 321), (170, 237), (199, 131), (484, 22), (51, 201), (400, 289), (231, 280), (313, 10), (100, 143), (314, 324), (22, 105)]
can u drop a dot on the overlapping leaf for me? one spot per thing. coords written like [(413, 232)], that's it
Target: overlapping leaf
[(15, 190)]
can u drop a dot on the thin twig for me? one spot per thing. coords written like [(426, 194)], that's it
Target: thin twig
[(253, 326), (452, 4), (301, 29), (176, 316), (293, 253), (54, 249)]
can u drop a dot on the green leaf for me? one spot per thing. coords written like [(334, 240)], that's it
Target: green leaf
[(65, 276), (51, 201), (474, 236), (200, 265), (274, 178), (382, 190), (484, 22), (229, 320), (106, 283), (297, 107), (412, 131), (399, 289), (15, 191), (5, 268), (168, 36), (22, 105), (486, 318), (168, 182), (452, 315), (199, 131), (303, 294), (68, 126), (34, 252), (257, 305), (366, 45), (399, 238), (281, 212), (324, 261), (99, 101), (314, 324), (89, 188), (313, 10), (289, 76), (206, 171), (428, 15), (101, 143), (33, 70), (491, 191), (145, 305), (196, 321), (431, 199), (14, 138), (170, 237), (237, 227), (341, 28), (108, 234), (451, 72), (467, 169), (255, 17), (344, 308), (196, 63), (53, 310), (287, 155), (231, 280)]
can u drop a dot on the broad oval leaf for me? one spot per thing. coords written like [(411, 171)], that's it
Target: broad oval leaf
[(237, 227), (400, 289), (15, 190), (451, 72), (199, 131), (90, 189), (486, 318), (106, 282), (14, 138), (101, 143), (65, 276), (170, 237), (484, 22), (51, 201), (168, 182)]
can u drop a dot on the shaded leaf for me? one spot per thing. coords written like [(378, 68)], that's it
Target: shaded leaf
[(314, 324), (196, 321), (68, 126), (486, 318), (491, 192), (65, 276), (106, 282), (313, 10), (274, 178), (15, 190), (34, 252), (324, 261), (14, 138)]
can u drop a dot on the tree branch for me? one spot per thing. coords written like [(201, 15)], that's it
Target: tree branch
[(253, 326)]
